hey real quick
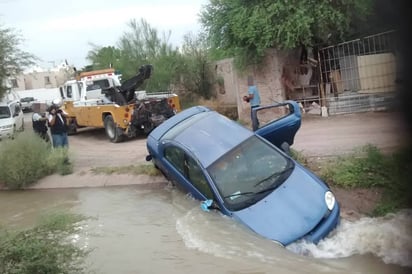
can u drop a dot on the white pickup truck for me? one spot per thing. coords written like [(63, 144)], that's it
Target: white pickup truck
[(27, 103)]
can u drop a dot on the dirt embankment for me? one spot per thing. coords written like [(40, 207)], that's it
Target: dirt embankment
[(318, 139)]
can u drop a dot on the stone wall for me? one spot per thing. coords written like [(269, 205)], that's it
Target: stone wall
[(232, 85)]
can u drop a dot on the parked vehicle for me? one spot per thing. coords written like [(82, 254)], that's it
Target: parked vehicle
[(244, 174), (98, 99), (11, 118), (27, 103)]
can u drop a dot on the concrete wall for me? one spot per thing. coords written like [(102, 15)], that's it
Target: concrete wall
[(267, 76), (37, 80)]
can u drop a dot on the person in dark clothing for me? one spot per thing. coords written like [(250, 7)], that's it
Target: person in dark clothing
[(40, 126), (58, 127)]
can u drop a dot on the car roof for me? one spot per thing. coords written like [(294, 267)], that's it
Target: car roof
[(208, 135)]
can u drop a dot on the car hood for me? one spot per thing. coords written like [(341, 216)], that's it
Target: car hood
[(289, 212), (6, 121)]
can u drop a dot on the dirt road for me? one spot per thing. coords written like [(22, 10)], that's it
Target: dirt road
[(317, 137), (336, 135)]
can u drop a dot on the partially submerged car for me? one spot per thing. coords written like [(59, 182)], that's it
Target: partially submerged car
[(245, 174)]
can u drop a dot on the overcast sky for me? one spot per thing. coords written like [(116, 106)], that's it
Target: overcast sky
[(56, 30)]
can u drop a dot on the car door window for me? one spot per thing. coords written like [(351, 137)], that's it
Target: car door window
[(278, 123), (18, 109), (189, 168), (196, 176), (69, 92), (176, 157)]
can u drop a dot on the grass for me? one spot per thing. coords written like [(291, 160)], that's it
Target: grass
[(29, 158), (131, 169), (368, 167), (44, 248)]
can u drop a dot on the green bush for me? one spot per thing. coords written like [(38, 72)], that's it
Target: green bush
[(28, 158), (45, 248), (368, 167)]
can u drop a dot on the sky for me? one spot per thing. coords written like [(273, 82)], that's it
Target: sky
[(55, 30)]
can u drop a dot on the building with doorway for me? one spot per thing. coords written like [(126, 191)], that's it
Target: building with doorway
[(354, 76), (39, 78)]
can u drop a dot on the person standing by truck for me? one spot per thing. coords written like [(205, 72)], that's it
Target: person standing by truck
[(39, 122), (58, 126)]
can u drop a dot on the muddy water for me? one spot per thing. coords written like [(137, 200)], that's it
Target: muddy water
[(157, 229)]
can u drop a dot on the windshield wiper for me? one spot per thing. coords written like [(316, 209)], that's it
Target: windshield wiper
[(239, 194), (277, 174)]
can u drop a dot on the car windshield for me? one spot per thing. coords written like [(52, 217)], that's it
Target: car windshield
[(4, 112), (249, 172)]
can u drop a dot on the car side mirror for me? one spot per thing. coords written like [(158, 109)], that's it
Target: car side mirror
[(205, 205), (149, 158)]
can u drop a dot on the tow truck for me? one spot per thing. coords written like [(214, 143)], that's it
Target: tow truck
[(98, 99)]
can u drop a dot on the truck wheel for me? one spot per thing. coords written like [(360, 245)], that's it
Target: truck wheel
[(114, 134), (72, 127)]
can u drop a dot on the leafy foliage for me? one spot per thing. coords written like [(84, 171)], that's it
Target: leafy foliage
[(245, 28), (104, 57), (196, 70), (12, 58), (173, 69), (368, 167), (28, 158), (45, 248)]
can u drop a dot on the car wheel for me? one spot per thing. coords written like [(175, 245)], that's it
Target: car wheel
[(115, 135)]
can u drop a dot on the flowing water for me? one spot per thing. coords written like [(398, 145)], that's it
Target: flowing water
[(158, 229)]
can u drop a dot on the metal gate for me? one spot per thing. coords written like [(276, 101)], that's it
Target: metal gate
[(359, 75)]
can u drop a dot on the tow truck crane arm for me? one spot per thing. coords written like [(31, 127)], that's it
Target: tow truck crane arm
[(128, 88)]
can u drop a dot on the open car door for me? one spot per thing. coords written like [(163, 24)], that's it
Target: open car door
[(277, 123)]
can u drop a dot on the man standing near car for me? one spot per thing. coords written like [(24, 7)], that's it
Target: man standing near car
[(58, 127), (253, 97)]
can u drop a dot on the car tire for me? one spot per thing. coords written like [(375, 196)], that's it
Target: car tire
[(114, 133), (72, 127)]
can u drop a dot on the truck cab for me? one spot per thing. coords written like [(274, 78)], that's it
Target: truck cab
[(90, 85)]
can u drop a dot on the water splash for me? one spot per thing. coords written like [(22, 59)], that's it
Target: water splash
[(388, 238)]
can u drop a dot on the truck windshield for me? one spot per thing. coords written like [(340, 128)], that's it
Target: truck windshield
[(4, 112), (98, 84)]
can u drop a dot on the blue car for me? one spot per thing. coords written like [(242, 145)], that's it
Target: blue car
[(247, 175)]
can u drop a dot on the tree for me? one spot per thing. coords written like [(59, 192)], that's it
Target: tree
[(144, 45), (104, 57), (246, 28), (197, 76), (12, 58)]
